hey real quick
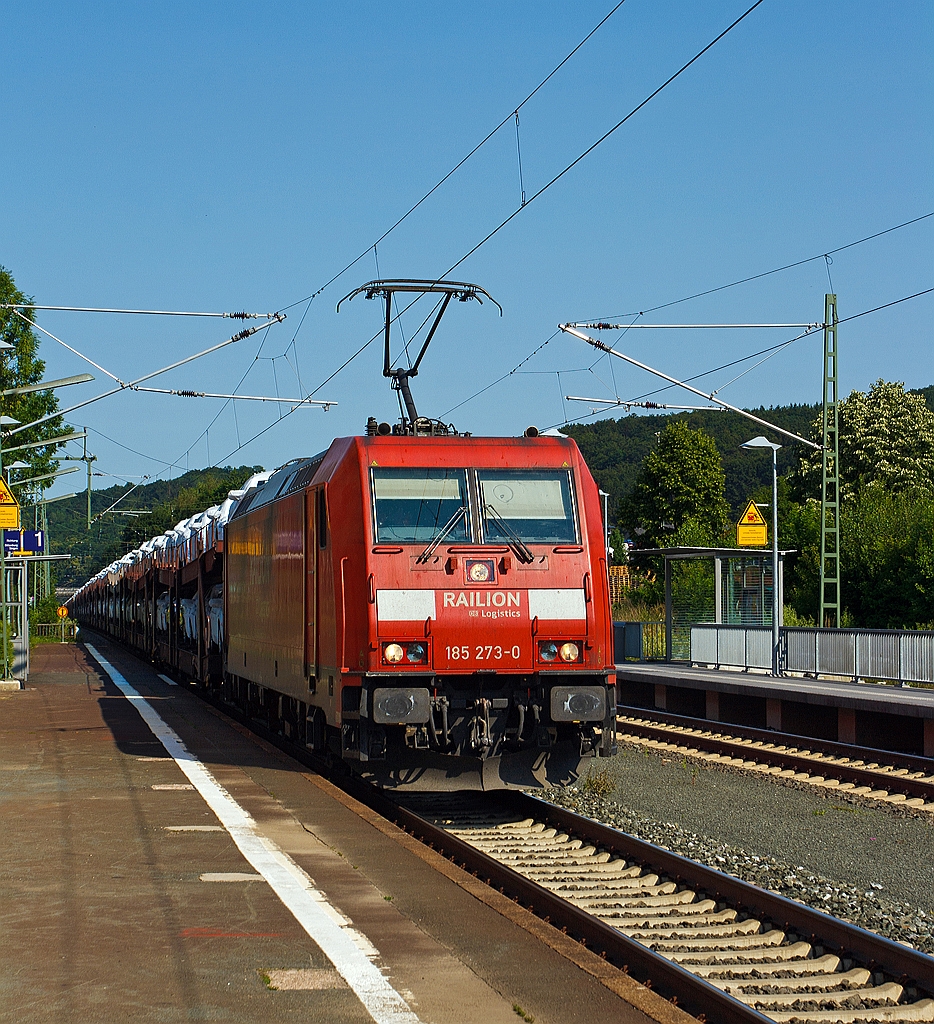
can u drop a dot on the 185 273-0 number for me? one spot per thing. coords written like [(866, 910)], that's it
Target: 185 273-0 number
[(483, 652)]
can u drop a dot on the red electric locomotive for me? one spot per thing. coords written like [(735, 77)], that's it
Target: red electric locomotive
[(430, 606), (426, 600)]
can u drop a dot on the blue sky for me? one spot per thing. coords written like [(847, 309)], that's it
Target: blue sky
[(236, 156)]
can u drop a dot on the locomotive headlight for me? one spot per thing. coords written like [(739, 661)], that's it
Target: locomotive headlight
[(548, 650), (569, 652), (393, 653), (416, 652)]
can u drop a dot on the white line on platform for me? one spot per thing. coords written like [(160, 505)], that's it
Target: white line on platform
[(193, 828), (230, 876), (345, 947), (166, 679)]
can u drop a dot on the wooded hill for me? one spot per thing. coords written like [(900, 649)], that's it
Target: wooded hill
[(163, 503)]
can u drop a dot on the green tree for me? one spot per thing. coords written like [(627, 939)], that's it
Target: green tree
[(681, 480), (886, 436), (886, 440), (887, 545), (21, 366)]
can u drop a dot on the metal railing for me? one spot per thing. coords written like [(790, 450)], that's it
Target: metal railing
[(47, 629), (639, 641), (891, 655)]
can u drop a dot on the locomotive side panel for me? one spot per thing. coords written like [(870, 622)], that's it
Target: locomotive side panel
[(342, 636), (265, 569)]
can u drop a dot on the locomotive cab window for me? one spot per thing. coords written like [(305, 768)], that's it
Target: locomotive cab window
[(535, 505), (414, 505)]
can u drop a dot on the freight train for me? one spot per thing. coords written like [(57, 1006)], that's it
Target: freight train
[(430, 607)]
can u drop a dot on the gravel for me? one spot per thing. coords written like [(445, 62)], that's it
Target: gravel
[(872, 865)]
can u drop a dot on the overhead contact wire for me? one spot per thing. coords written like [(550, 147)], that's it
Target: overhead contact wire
[(534, 196), (768, 273), (603, 137), (464, 160)]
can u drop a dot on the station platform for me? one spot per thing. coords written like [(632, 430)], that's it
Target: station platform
[(158, 863), (893, 718)]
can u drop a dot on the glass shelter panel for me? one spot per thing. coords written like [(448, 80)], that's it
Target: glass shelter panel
[(747, 591), (535, 506), (414, 505)]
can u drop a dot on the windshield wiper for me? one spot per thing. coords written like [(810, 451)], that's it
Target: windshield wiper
[(515, 542), (445, 530)]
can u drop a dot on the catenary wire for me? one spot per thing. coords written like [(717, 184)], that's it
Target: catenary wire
[(768, 273), (508, 219), (461, 162), (854, 316), (603, 137)]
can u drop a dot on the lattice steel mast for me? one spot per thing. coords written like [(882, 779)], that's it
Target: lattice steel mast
[(830, 477)]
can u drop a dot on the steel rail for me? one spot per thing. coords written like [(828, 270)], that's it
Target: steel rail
[(813, 765), (849, 939), (664, 976), (898, 759)]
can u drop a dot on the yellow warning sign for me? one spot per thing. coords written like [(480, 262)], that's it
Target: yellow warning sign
[(9, 508), (6, 495), (752, 516), (751, 531)]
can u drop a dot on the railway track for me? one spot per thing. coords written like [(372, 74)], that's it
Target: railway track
[(855, 771), (721, 947)]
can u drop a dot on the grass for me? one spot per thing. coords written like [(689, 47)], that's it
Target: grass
[(34, 641), (519, 1012), (597, 783), (628, 610), (267, 981)]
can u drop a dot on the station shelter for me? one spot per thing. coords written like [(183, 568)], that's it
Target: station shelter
[(726, 586)]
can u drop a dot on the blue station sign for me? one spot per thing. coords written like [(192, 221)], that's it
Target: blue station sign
[(17, 543)]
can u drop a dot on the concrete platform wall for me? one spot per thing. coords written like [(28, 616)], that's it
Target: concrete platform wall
[(777, 706)]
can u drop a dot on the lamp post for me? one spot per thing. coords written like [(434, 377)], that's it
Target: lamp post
[(761, 442), (606, 525)]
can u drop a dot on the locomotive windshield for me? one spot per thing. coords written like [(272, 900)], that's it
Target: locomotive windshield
[(533, 505), (414, 504)]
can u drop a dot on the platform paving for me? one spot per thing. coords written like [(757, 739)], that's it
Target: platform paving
[(123, 898)]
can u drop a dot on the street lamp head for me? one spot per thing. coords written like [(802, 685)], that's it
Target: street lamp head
[(8, 421), (760, 442), (5, 346), (19, 464)]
